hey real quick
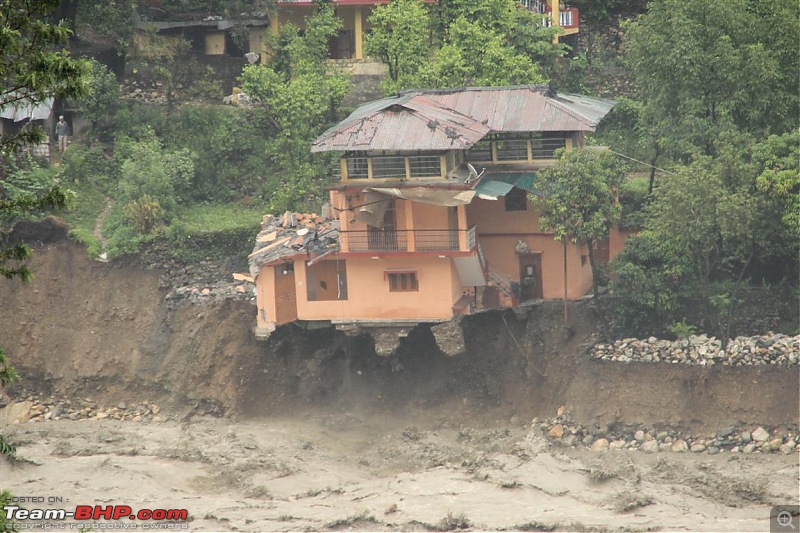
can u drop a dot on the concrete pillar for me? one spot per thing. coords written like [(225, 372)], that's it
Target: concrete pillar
[(359, 34), (411, 240), (554, 14), (462, 226), (273, 24)]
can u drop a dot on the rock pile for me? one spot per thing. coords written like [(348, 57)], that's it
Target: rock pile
[(214, 291), (151, 92), (563, 431), (52, 408), (770, 349)]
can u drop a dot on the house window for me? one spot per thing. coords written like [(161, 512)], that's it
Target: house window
[(389, 167), (402, 281), (425, 166), (516, 200), (545, 145), (326, 281), (357, 168), (512, 150), (480, 151)]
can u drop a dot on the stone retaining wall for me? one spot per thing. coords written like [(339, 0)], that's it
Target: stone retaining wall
[(771, 349)]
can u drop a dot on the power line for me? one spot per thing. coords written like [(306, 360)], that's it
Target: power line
[(642, 162)]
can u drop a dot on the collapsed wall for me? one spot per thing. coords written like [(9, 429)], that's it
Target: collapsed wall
[(108, 331)]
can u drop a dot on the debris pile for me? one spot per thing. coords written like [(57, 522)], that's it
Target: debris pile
[(42, 409), (292, 234), (562, 431), (151, 92), (770, 349)]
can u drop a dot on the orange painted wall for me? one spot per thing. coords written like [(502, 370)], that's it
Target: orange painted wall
[(616, 240), (490, 216), (369, 296), (498, 232), (265, 298)]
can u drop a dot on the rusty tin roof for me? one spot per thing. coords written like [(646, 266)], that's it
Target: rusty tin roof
[(413, 122), (445, 119)]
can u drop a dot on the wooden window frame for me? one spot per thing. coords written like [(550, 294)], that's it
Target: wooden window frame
[(402, 280)]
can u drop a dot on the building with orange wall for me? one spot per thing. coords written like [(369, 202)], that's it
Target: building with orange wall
[(431, 216)]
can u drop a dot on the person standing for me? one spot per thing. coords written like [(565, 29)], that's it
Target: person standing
[(62, 132)]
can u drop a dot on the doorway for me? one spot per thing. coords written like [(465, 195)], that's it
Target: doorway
[(285, 297), (530, 276), (384, 239)]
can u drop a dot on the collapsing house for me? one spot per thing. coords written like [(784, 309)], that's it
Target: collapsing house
[(431, 217)]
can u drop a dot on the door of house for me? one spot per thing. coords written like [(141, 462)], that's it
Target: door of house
[(601, 250), (530, 276), (285, 295), (385, 238)]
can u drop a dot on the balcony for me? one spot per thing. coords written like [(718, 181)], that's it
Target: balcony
[(405, 241), (567, 17)]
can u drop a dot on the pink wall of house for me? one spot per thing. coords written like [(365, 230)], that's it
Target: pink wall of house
[(369, 296)]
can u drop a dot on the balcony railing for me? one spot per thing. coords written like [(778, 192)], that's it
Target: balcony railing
[(421, 240)]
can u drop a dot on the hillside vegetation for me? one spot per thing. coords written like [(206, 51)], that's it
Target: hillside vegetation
[(706, 119)]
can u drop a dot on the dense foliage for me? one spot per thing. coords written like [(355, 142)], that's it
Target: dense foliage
[(717, 97), (459, 43), (298, 96)]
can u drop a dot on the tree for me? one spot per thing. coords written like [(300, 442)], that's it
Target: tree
[(579, 201), (480, 42), (151, 179), (708, 233), (473, 56), (689, 60), (298, 97), (101, 99), (34, 64), (398, 38), (779, 159), (112, 19)]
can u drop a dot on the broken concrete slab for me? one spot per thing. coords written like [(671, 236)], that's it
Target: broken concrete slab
[(449, 337)]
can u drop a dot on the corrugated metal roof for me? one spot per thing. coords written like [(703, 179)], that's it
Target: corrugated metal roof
[(526, 108), (460, 117), (26, 108), (402, 123)]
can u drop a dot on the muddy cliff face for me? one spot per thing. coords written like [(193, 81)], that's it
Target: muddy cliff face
[(91, 329)]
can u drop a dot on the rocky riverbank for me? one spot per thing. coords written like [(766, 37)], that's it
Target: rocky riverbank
[(37, 408), (770, 349), (563, 431)]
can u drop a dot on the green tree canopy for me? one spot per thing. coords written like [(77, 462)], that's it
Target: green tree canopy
[(459, 43), (708, 232), (297, 96), (706, 67), (101, 99), (579, 201)]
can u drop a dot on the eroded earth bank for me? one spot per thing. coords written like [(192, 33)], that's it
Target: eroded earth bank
[(132, 398)]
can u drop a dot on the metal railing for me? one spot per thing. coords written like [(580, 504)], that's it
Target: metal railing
[(420, 240)]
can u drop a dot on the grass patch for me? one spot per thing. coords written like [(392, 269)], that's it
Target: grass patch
[(87, 205), (203, 218)]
